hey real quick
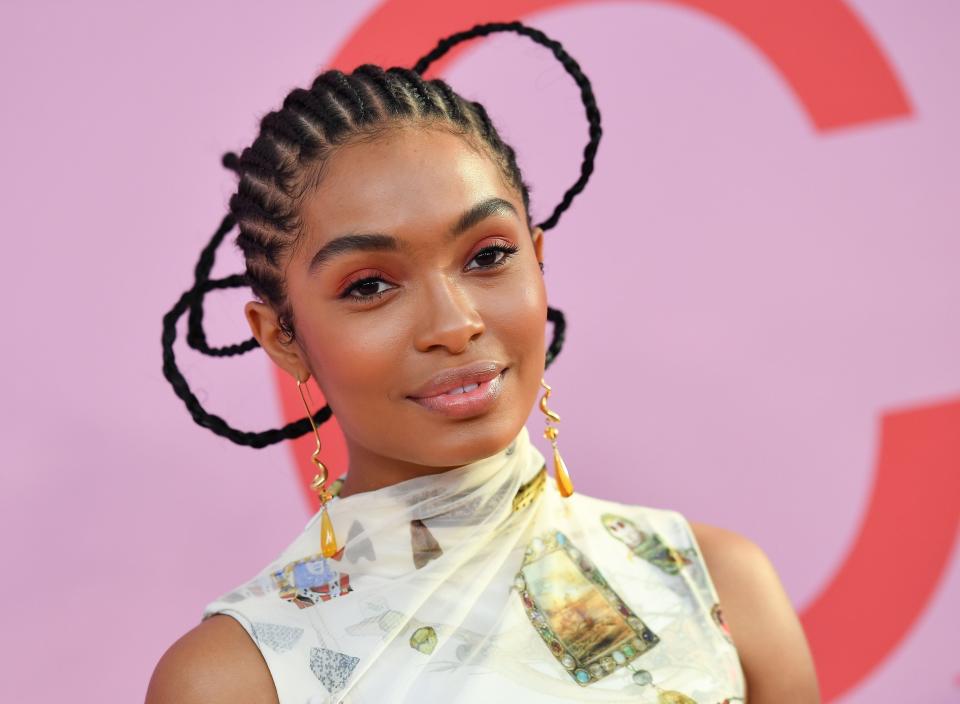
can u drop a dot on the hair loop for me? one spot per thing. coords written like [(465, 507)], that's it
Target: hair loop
[(571, 66)]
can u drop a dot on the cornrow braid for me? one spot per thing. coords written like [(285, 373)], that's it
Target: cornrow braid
[(285, 161), (376, 80)]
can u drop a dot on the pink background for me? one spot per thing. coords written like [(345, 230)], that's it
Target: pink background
[(749, 295)]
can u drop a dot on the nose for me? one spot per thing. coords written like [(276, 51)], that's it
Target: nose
[(448, 318)]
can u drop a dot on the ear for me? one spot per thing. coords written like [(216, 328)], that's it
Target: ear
[(266, 329), (538, 243)]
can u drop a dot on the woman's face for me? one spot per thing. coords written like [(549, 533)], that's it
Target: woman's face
[(424, 283)]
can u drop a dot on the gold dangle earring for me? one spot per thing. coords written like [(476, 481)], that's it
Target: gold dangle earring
[(328, 541), (559, 468)]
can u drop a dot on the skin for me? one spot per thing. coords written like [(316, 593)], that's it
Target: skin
[(442, 307)]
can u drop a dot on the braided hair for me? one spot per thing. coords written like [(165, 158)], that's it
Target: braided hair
[(285, 162)]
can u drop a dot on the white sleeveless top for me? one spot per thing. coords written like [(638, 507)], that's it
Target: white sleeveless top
[(484, 584)]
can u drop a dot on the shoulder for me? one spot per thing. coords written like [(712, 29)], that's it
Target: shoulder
[(732, 557), (763, 623), (740, 570), (214, 663)]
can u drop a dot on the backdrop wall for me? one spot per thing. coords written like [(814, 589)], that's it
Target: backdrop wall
[(759, 283)]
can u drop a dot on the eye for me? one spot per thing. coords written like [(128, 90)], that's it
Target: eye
[(370, 288), (493, 256), (365, 289)]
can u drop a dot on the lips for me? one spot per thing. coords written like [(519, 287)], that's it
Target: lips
[(469, 401), (459, 380)]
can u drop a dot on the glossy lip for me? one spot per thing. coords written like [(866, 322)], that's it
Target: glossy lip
[(449, 379), (489, 377)]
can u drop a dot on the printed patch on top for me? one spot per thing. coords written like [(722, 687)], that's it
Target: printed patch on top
[(359, 544), (583, 621), (425, 546), (311, 580), (424, 639), (650, 546), (331, 667), (276, 636)]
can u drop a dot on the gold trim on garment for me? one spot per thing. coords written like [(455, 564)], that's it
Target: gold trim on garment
[(530, 490)]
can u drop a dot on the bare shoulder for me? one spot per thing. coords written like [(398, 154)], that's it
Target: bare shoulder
[(214, 663), (731, 556), (765, 628)]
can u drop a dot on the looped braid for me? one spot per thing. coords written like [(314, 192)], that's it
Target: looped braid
[(571, 66), (192, 300), (264, 208)]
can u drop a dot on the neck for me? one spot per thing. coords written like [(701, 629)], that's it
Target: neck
[(369, 471)]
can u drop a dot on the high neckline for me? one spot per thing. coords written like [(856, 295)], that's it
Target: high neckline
[(471, 490)]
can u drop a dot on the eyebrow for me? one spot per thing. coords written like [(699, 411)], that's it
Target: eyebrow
[(379, 242)]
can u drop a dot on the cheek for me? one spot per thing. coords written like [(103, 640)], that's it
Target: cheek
[(518, 323), (518, 320), (357, 360)]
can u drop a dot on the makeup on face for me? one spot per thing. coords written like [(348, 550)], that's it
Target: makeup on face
[(419, 299)]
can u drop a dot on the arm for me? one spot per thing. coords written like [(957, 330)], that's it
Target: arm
[(773, 649), (215, 663)]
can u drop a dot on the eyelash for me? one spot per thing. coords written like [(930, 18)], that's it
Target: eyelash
[(507, 250)]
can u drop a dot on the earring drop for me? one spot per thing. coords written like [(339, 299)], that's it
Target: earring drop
[(328, 540), (559, 468)]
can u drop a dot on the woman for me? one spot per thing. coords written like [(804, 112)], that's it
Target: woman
[(387, 235)]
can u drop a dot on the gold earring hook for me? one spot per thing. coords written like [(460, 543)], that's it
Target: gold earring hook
[(543, 403), (328, 540), (564, 483), (321, 477)]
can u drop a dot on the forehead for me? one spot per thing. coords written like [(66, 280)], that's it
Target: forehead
[(405, 181)]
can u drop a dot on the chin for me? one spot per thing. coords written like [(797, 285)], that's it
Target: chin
[(470, 440)]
